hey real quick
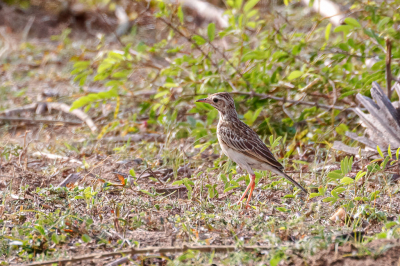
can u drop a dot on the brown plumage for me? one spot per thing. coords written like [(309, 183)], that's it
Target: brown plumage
[(241, 144)]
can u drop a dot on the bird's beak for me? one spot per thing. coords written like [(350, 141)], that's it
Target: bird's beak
[(205, 100)]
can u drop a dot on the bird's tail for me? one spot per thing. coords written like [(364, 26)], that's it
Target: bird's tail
[(279, 172)]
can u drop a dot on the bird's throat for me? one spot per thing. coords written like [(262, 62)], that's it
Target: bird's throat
[(228, 115)]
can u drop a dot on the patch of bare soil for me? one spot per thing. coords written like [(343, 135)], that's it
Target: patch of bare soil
[(377, 252), (39, 22)]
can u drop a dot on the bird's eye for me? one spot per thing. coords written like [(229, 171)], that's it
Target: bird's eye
[(215, 100)]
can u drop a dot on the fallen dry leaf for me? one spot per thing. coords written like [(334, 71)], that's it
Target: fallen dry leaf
[(340, 214)]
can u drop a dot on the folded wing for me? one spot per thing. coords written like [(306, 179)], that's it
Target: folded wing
[(243, 139)]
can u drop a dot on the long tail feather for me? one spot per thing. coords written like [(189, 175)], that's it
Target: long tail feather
[(279, 172)]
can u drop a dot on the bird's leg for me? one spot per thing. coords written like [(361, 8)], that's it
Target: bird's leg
[(252, 184), (251, 187)]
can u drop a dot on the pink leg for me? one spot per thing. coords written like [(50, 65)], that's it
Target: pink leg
[(251, 186)]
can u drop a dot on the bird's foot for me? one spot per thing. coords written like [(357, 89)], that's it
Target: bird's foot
[(240, 203)]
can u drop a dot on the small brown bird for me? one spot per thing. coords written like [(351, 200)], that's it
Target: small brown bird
[(241, 144)]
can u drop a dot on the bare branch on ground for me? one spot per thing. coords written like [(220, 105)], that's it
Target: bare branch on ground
[(133, 251), (49, 106), (55, 157)]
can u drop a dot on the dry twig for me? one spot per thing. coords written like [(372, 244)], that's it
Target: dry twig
[(282, 99), (133, 251), (388, 67), (39, 121), (55, 157), (50, 106)]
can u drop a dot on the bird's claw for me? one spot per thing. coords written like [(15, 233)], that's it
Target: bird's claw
[(239, 203)]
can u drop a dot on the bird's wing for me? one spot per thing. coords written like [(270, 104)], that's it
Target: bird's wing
[(243, 139)]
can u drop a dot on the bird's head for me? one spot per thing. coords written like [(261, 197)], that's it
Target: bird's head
[(222, 101)]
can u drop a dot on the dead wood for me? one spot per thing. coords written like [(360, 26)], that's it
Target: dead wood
[(40, 107), (55, 157), (39, 121), (119, 261), (15, 111), (382, 124), (179, 192), (131, 138), (148, 250), (70, 179), (340, 146), (362, 139), (78, 113)]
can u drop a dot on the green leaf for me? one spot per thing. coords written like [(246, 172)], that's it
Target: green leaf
[(346, 180), (276, 259), (352, 22), (343, 28), (384, 163), (86, 238), (199, 40), (282, 209), (295, 74), (146, 192), (390, 152), (40, 229), (379, 151), (288, 196), (300, 162), (313, 195), (341, 129), (330, 199), (177, 183), (397, 154), (180, 14), (81, 65), (328, 31), (389, 225), (374, 195), (230, 188), (382, 23), (359, 175), (223, 178), (238, 4), (335, 175), (168, 85), (260, 55), (211, 31), (55, 238), (249, 5), (132, 172), (337, 191)]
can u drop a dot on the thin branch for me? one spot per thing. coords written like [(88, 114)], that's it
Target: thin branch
[(189, 40), (76, 112), (55, 157), (388, 67), (229, 62), (133, 251), (147, 62), (119, 261), (282, 99), (39, 121)]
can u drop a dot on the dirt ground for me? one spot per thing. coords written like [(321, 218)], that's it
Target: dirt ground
[(157, 228)]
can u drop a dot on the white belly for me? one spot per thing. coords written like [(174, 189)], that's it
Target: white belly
[(239, 158)]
